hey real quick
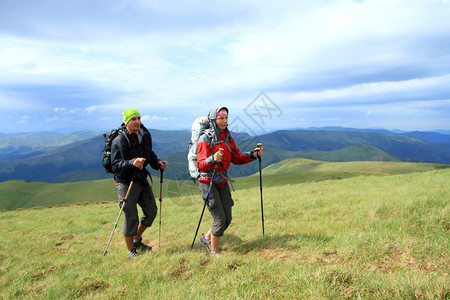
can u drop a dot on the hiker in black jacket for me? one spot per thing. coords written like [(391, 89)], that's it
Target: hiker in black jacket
[(128, 160)]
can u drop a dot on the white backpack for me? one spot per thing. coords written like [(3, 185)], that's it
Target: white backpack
[(198, 128)]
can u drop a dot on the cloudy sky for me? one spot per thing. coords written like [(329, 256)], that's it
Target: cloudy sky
[(72, 65)]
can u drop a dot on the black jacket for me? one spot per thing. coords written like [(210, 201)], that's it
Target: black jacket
[(123, 153)]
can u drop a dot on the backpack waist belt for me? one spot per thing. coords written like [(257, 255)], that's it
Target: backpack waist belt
[(223, 173)]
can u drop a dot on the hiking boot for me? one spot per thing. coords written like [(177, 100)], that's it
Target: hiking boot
[(141, 246), (205, 243), (214, 254), (133, 253)]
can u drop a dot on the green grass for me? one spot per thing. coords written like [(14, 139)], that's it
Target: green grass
[(366, 237), (358, 167), (24, 194), (16, 194)]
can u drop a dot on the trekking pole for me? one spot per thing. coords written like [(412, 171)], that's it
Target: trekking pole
[(260, 188), (204, 205), (160, 205), (120, 212)]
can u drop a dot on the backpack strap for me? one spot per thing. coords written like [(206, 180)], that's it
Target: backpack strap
[(124, 135), (213, 143)]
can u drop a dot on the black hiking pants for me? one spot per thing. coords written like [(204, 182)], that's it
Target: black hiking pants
[(140, 194)]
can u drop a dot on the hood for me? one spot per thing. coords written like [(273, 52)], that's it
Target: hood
[(215, 130)]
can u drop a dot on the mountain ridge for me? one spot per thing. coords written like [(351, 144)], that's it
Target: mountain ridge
[(70, 160)]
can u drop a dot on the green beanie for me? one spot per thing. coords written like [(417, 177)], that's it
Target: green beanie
[(129, 114)]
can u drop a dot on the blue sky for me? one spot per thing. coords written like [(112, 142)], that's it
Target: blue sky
[(67, 66)]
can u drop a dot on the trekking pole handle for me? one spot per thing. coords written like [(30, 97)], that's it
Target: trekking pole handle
[(160, 184), (220, 151), (143, 159), (259, 145), (162, 174)]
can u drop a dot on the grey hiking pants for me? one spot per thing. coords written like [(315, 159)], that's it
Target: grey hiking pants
[(219, 205), (140, 194)]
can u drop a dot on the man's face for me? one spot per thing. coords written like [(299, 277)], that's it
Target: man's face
[(134, 124)]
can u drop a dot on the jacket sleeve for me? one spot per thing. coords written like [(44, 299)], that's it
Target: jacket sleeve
[(205, 160), (237, 157), (121, 166), (152, 157)]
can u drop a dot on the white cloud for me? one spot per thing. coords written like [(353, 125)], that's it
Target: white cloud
[(155, 118), (171, 56), (330, 119), (23, 120), (52, 120), (92, 109), (389, 91), (295, 119), (66, 110)]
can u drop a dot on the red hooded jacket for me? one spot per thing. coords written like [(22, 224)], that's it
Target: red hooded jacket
[(231, 154)]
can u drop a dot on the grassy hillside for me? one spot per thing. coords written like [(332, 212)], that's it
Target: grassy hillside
[(367, 237), (24, 194), (357, 167), (293, 171), (64, 163), (357, 152)]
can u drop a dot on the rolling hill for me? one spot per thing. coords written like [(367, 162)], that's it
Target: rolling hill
[(24, 145), (366, 237), (80, 159), (24, 194)]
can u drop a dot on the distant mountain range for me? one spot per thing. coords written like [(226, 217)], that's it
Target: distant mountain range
[(55, 157), (439, 136)]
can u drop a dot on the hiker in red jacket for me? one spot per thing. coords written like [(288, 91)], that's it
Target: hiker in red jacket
[(210, 158)]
